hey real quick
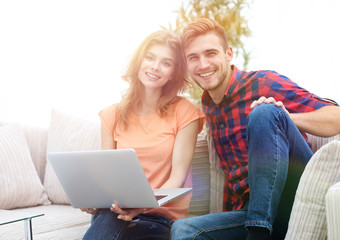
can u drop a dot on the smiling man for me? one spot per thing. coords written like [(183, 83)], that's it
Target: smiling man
[(258, 121)]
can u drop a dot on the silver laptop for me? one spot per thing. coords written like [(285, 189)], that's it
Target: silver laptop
[(97, 178)]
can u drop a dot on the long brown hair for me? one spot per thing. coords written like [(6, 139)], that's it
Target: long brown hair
[(134, 94)]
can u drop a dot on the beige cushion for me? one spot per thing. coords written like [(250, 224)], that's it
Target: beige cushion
[(36, 138), (333, 211), (199, 204), (318, 142), (217, 178), (308, 217), (68, 133), (20, 185)]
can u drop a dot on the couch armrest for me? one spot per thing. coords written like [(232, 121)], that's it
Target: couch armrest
[(199, 204), (217, 178)]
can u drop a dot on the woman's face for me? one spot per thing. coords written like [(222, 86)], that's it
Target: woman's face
[(157, 67)]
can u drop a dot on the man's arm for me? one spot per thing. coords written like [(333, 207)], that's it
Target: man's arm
[(323, 122)]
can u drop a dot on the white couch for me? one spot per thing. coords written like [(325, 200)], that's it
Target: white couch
[(28, 184)]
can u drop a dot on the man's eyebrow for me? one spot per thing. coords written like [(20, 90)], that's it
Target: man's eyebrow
[(204, 51), (211, 50)]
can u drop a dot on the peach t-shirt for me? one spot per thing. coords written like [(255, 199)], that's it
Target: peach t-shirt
[(153, 137)]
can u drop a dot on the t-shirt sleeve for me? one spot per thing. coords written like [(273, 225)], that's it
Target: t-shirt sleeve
[(108, 118), (294, 98), (186, 112)]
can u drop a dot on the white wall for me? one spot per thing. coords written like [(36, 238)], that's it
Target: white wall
[(69, 54)]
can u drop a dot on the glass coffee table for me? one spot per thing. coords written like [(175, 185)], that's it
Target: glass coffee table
[(27, 223)]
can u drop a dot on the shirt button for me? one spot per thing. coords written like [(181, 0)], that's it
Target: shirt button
[(221, 125)]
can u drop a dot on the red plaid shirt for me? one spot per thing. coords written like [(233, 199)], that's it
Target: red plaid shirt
[(228, 121)]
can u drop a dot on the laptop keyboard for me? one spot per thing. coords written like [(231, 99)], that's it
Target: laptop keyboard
[(158, 197)]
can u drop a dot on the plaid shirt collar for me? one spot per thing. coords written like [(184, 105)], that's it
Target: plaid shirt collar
[(233, 82)]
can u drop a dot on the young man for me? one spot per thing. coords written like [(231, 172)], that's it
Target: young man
[(258, 122)]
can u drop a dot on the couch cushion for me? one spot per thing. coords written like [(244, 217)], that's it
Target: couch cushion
[(308, 217), (317, 142), (36, 138), (19, 181), (68, 133), (217, 178), (333, 211), (200, 200)]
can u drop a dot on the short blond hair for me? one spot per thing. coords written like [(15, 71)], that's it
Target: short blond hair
[(203, 26)]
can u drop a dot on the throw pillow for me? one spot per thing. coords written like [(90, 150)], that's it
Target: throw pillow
[(333, 210), (67, 133), (199, 203), (308, 217), (19, 181), (217, 178)]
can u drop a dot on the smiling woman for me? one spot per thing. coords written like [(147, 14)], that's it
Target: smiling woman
[(161, 127)]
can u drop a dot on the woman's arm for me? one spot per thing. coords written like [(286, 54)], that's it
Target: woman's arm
[(182, 155), (107, 141)]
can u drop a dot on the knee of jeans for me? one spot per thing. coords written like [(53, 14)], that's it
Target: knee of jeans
[(178, 226), (262, 113)]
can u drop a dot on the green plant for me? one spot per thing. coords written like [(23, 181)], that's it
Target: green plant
[(226, 12)]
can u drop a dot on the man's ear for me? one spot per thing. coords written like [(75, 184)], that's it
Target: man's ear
[(229, 54)]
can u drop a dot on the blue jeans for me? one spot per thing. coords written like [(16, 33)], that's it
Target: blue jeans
[(277, 155), (105, 225)]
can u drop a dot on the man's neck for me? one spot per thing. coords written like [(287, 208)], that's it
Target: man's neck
[(218, 93)]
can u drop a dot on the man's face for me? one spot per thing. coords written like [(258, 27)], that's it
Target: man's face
[(208, 63)]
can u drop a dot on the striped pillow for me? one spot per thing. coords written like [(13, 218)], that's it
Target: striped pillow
[(20, 185), (68, 133), (308, 217)]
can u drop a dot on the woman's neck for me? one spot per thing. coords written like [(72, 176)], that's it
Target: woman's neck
[(148, 105)]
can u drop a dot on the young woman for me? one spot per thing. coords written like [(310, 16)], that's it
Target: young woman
[(161, 127)]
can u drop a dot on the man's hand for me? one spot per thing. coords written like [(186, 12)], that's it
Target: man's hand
[(268, 100), (127, 214), (91, 211)]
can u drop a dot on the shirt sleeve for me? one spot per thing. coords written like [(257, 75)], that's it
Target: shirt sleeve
[(186, 112), (108, 118), (294, 98)]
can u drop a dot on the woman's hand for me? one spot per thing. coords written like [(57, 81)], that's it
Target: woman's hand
[(127, 214), (91, 211)]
